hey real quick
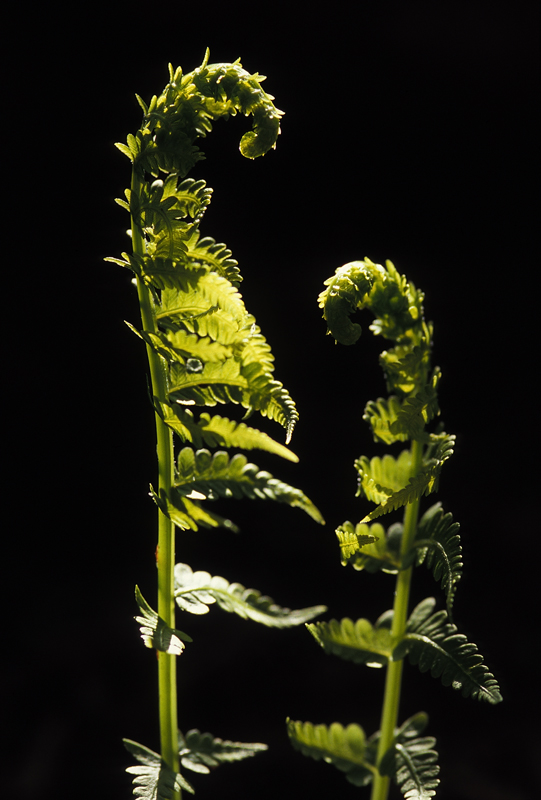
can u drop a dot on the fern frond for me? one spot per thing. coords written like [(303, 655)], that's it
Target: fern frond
[(380, 415), (189, 105), (270, 398), (418, 486), (219, 431), (232, 89), (214, 255), (417, 410), (195, 300), (161, 273), (202, 752), (244, 378), (412, 761), (396, 303), (160, 210), (193, 303), (381, 478), (154, 780), (213, 476), (168, 200), (352, 539), (186, 512), (195, 591), (347, 291), (360, 641), (155, 633), (425, 482), (416, 769), (346, 748), (169, 243), (182, 347), (198, 316), (370, 547), (406, 366), (434, 644), (437, 541)]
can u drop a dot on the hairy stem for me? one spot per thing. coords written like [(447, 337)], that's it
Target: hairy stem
[(165, 553), (393, 680)]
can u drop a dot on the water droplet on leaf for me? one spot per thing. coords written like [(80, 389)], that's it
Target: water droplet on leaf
[(194, 365)]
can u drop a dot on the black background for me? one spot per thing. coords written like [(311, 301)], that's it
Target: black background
[(409, 134)]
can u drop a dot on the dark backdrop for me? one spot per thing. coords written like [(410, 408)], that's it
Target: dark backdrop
[(409, 134)]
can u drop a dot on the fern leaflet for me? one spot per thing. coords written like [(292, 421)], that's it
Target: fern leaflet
[(346, 748), (194, 302), (196, 591), (180, 347), (214, 255), (412, 761), (381, 414), (186, 109), (437, 541), (434, 644), (154, 780), (155, 633), (213, 476), (186, 512), (369, 547), (201, 752), (417, 410), (381, 478), (360, 641), (424, 482), (416, 769), (217, 431)]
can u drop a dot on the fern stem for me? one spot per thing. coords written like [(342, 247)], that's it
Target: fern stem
[(393, 678), (165, 553)]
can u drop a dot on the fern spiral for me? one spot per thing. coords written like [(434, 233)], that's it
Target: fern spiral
[(204, 350), (392, 482)]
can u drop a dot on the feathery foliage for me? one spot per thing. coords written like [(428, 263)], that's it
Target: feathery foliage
[(434, 644), (154, 779), (155, 633), (411, 760), (202, 752), (360, 641), (393, 482), (437, 543), (216, 475), (346, 748), (195, 591), (370, 547), (203, 349)]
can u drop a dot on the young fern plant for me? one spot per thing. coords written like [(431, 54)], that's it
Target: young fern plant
[(204, 349), (428, 638)]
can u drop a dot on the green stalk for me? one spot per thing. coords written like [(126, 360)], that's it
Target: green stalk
[(393, 679), (165, 554)]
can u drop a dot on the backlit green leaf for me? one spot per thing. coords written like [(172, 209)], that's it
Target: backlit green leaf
[(154, 780), (196, 591), (201, 752), (155, 633)]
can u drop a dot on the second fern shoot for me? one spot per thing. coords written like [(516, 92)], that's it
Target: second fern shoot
[(398, 752)]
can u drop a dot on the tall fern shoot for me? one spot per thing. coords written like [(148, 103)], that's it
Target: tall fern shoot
[(204, 350), (399, 751)]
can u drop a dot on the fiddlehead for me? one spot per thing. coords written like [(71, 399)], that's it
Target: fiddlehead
[(186, 109), (203, 349), (429, 640)]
